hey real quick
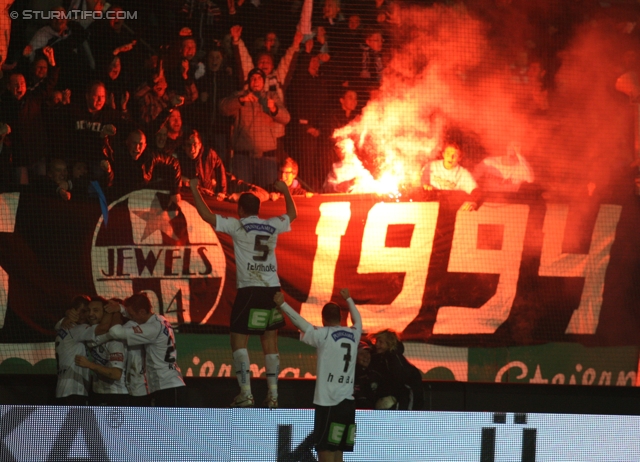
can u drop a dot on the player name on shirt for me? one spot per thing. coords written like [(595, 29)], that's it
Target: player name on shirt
[(341, 379), (337, 335), (260, 267), (263, 227)]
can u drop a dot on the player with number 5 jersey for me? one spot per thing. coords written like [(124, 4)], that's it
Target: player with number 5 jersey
[(253, 312)]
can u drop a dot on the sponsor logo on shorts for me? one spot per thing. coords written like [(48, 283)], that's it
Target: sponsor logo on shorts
[(258, 319), (351, 434), (276, 317), (119, 357), (261, 319), (336, 431)]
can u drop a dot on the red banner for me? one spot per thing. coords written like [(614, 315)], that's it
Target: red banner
[(517, 271)]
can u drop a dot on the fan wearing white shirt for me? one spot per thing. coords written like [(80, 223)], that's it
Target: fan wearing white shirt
[(335, 411), (504, 173), (448, 175)]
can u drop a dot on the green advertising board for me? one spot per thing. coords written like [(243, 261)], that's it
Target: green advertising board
[(209, 355)]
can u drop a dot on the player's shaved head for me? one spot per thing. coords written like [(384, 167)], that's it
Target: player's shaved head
[(249, 203), (331, 314)]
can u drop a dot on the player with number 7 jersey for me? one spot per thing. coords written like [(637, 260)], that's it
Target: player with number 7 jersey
[(337, 346)]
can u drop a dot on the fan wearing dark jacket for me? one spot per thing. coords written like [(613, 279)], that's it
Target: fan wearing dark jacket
[(199, 161), (400, 385), (137, 168)]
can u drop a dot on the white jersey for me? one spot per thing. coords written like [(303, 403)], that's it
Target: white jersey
[(456, 179), (502, 175), (135, 377), (109, 354), (337, 352), (72, 379), (159, 342), (254, 245)]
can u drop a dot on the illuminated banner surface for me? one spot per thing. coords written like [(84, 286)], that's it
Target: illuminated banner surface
[(519, 271)]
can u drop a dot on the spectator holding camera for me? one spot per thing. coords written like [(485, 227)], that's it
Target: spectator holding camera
[(257, 116)]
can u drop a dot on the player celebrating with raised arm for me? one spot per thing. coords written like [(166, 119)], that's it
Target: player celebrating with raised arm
[(334, 423), (253, 312)]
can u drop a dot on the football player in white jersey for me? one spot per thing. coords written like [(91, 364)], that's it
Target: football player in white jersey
[(334, 427), (152, 330), (136, 377), (108, 362), (73, 381), (253, 312)]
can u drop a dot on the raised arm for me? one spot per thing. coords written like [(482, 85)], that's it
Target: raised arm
[(292, 314), (282, 188), (246, 63), (203, 209), (304, 25), (282, 70), (356, 319)]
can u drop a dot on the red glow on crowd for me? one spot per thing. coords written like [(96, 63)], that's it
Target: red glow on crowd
[(445, 73)]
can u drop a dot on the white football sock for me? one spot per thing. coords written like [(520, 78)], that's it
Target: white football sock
[(241, 365)]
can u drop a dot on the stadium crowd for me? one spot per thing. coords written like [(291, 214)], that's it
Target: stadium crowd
[(93, 109), (99, 99), (112, 105)]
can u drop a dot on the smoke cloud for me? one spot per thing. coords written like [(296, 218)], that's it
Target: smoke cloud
[(490, 82)]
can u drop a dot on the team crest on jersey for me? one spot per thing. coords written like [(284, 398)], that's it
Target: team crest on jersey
[(62, 333), (137, 329), (168, 251)]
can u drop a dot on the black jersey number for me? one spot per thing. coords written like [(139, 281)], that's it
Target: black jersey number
[(169, 356), (347, 356), (260, 246)]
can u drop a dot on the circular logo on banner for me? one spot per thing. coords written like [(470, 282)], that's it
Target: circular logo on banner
[(149, 244)]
